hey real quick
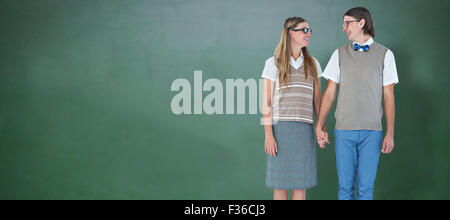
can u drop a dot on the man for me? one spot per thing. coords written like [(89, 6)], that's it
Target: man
[(366, 73)]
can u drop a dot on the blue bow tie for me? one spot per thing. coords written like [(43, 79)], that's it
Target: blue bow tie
[(364, 47)]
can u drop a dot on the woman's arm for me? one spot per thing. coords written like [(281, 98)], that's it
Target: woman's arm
[(317, 99), (270, 143)]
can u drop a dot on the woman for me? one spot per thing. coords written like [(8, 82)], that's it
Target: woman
[(291, 94)]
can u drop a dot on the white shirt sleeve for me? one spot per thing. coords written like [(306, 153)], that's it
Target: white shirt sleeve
[(332, 70), (390, 70), (319, 69), (270, 71)]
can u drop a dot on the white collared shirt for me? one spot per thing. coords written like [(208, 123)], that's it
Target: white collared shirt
[(271, 72), (333, 72)]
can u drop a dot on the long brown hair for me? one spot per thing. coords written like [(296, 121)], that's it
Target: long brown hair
[(282, 54)]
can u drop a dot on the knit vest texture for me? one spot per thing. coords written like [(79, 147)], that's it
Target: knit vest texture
[(359, 105)]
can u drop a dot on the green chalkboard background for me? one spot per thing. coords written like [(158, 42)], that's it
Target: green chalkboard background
[(85, 97)]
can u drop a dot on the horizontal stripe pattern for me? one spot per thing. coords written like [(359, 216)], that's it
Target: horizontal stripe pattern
[(294, 101), (285, 118)]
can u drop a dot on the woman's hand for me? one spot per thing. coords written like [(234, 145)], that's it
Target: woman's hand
[(271, 146)]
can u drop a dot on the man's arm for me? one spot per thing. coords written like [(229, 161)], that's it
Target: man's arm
[(325, 106), (389, 111)]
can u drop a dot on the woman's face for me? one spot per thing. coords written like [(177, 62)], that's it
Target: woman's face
[(299, 37), (352, 28)]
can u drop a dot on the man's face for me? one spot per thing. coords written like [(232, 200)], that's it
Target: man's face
[(352, 27)]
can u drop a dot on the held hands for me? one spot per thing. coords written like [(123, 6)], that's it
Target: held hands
[(322, 137), (270, 145)]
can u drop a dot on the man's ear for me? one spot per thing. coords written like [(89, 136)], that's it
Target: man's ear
[(362, 23)]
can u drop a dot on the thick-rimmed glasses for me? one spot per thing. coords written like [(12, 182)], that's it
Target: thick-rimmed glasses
[(305, 30), (346, 23)]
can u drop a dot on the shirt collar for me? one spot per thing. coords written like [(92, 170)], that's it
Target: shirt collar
[(368, 42), (296, 63)]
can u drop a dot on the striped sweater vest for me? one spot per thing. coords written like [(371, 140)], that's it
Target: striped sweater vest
[(294, 102)]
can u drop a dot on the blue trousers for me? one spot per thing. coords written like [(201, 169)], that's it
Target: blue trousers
[(357, 154)]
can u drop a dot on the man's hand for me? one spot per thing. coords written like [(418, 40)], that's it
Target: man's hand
[(388, 144)]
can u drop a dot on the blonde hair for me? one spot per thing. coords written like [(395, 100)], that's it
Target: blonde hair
[(282, 54)]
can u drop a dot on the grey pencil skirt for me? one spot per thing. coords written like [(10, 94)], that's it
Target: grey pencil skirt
[(295, 166)]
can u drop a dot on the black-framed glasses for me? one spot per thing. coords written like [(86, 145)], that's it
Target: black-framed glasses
[(346, 23), (305, 30)]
